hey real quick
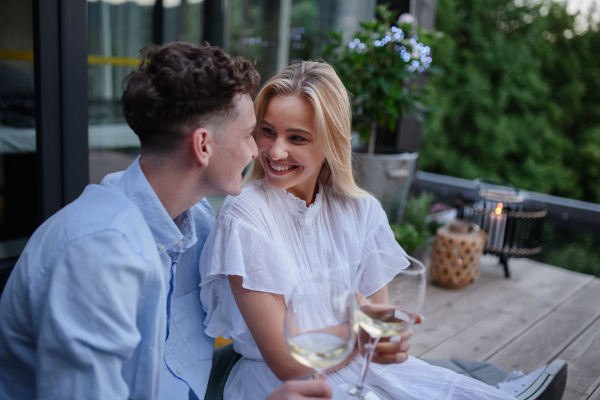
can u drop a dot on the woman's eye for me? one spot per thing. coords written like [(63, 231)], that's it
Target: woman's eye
[(268, 131), (298, 139)]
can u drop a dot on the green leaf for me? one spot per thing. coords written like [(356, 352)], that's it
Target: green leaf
[(368, 26)]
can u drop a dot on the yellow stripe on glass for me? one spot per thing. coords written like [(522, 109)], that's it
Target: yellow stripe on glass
[(16, 55), (122, 61)]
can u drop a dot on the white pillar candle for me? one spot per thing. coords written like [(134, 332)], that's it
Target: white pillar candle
[(491, 229), (498, 220)]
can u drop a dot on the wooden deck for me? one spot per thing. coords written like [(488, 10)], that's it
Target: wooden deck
[(540, 314)]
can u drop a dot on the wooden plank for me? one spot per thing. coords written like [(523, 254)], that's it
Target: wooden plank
[(491, 333), (457, 313), (595, 395), (583, 358), (549, 337), (457, 316), (490, 273), (594, 385)]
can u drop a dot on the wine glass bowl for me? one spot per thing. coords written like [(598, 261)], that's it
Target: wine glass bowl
[(319, 350), (318, 324), (387, 309), (396, 305), (383, 321)]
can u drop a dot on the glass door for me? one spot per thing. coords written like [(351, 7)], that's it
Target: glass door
[(117, 30), (18, 171)]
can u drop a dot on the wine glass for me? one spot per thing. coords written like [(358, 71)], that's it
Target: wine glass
[(318, 325), (387, 310)]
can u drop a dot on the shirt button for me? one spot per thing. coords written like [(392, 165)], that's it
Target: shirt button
[(180, 243), (319, 278), (179, 372), (161, 247), (307, 231)]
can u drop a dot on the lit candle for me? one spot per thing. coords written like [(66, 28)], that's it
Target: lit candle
[(491, 229), (498, 222)]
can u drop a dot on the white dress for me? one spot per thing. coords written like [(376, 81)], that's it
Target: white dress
[(271, 239)]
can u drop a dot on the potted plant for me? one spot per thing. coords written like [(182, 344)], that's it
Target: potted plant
[(380, 67)]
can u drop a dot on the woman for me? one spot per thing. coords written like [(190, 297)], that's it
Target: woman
[(301, 215)]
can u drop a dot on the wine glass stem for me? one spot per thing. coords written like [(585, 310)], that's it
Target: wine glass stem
[(358, 390)]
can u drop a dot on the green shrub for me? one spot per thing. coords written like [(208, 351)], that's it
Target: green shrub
[(520, 95), (576, 251), (415, 228), (407, 236)]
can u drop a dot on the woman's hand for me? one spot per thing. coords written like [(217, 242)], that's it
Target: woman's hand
[(299, 390), (393, 350)]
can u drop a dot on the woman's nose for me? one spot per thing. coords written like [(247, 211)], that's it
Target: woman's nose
[(278, 150)]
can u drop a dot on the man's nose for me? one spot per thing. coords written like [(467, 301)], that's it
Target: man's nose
[(278, 150)]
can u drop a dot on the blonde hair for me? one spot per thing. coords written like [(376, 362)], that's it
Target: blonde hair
[(318, 83)]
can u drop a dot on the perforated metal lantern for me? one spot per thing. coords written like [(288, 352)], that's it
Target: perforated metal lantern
[(456, 254)]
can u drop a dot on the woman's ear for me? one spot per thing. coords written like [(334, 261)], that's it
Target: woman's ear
[(202, 145)]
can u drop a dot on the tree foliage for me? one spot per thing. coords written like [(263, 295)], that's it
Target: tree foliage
[(520, 95)]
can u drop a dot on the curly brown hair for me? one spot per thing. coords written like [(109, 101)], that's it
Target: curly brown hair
[(179, 87)]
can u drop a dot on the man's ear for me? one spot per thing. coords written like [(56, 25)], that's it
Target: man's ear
[(202, 145)]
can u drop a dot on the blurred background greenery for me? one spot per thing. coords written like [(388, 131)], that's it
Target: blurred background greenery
[(519, 100), (570, 249), (519, 97)]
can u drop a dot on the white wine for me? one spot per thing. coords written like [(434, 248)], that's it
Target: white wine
[(382, 321), (319, 350)]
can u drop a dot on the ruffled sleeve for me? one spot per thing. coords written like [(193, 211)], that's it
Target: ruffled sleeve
[(382, 257), (236, 248)]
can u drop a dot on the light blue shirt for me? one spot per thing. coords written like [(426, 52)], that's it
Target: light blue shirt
[(104, 300)]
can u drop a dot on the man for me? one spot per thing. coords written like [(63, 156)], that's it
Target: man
[(103, 302)]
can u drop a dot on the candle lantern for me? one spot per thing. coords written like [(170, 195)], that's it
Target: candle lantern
[(514, 224), (456, 253)]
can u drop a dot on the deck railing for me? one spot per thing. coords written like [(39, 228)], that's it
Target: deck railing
[(566, 213)]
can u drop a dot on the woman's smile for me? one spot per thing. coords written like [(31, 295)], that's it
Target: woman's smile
[(279, 168)]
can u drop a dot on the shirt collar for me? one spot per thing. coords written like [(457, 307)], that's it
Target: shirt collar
[(296, 206), (170, 235)]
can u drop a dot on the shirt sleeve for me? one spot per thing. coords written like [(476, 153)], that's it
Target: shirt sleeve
[(88, 323), (382, 257)]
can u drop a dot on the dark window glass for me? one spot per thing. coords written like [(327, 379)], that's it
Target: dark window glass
[(117, 30), (273, 33), (18, 184)]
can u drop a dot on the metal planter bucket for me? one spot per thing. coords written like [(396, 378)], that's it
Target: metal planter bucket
[(387, 177)]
